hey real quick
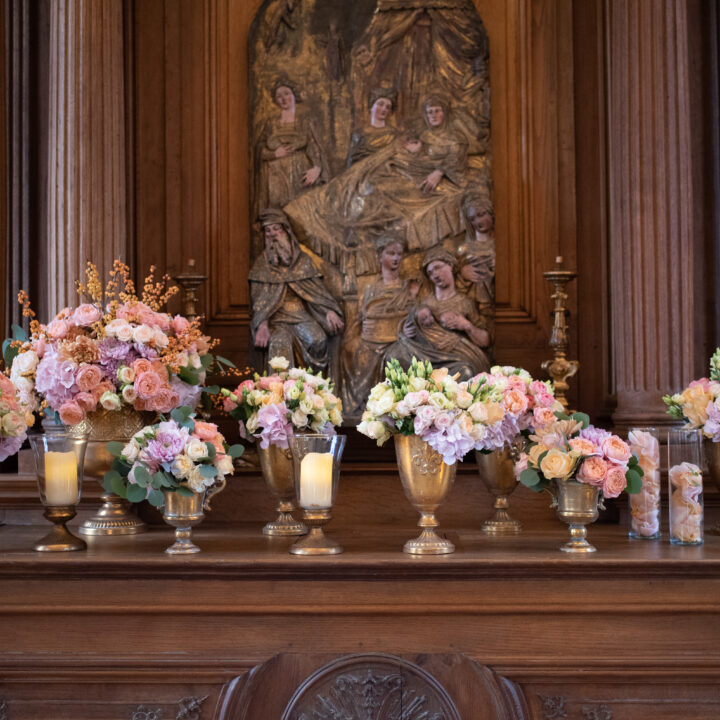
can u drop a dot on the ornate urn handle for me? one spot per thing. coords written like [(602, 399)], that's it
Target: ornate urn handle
[(219, 487)]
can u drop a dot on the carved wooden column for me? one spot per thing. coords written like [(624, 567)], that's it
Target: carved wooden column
[(652, 238), (87, 203)]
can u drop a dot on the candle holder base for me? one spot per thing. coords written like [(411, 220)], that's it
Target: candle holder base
[(59, 539), (316, 542), (113, 518)]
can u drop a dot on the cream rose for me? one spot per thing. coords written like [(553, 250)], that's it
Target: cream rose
[(130, 451), (557, 464), (478, 412), (224, 464), (196, 449), (110, 400), (25, 362), (182, 466), (279, 363), (121, 329), (142, 334), (299, 418)]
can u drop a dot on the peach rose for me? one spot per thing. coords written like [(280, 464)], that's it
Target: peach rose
[(593, 470), (101, 388), (616, 450), (515, 402), (141, 365), (535, 452), (86, 314), (71, 413), (58, 329), (147, 384), (205, 430), (557, 464), (543, 416), (694, 401), (614, 482), (180, 325), (88, 377), (495, 412), (86, 401)]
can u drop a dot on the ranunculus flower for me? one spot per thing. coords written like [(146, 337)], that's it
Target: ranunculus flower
[(71, 413), (616, 450), (86, 314), (557, 464), (88, 377)]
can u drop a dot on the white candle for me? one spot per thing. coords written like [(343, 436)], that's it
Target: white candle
[(61, 481), (316, 480)]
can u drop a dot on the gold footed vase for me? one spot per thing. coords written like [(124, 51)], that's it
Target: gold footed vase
[(712, 455), (115, 517), (183, 512), (577, 505), (426, 480), (497, 471), (277, 469)]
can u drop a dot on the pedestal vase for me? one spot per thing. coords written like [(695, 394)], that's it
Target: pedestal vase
[(497, 472), (577, 505), (277, 469)]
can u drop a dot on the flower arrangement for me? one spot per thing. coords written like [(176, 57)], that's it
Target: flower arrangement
[(272, 407), (14, 419), (525, 403), (180, 454), (452, 417), (699, 403), (115, 350), (569, 448)]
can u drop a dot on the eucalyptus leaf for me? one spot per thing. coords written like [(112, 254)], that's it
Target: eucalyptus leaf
[(211, 389), (19, 333), (529, 477), (142, 476), (156, 498), (235, 451), (211, 450), (117, 485), (184, 491), (634, 482), (208, 471), (224, 361), (136, 493), (582, 417), (115, 448)]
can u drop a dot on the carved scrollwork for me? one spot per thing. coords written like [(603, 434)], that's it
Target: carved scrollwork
[(145, 713), (597, 712), (372, 688), (3, 710), (190, 708), (553, 707)]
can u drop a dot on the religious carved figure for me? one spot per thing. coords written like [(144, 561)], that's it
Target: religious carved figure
[(290, 154), (293, 311), (445, 327), (379, 133), (383, 309)]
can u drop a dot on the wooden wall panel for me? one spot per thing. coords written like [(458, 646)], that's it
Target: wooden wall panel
[(192, 157)]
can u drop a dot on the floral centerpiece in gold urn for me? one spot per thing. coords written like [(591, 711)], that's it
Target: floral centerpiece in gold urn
[(584, 464), (108, 367), (524, 403), (178, 464), (698, 405), (435, 421), (271, 408)]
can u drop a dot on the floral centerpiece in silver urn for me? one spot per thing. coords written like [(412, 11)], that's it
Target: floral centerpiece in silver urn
[(271, 408), (178, 464), (107, 367), (583, 464)]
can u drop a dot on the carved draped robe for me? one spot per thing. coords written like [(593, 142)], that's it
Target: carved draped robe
[(294, 302)]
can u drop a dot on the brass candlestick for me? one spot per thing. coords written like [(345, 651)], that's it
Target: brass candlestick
[(189, 282), (59, 539), (316, 542), (560, 368)]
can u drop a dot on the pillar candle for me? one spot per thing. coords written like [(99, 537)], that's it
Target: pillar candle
[(316, 480), (61, 481)]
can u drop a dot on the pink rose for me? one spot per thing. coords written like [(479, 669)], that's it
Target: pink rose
[(265, 382), (71, 413), (424, 418), (704, 383), (180, 324), (229, 404), (245, 385), (616, 450), (147, 384), (86, 401), (86, 314), (58, 329), (40, 346), (593, 471), (614, 482), (521, 464), (88, 376), (543, 416), (205, 430)]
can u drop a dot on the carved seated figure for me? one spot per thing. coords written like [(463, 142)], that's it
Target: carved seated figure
[(445, 327), (293, 313)]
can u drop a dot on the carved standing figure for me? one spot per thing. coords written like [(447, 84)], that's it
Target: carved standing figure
[(290, 155), (383, 309), (445, 327), (293, 313)]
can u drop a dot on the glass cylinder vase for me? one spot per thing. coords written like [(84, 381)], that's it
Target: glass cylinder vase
[(685, 487), (645, 505)]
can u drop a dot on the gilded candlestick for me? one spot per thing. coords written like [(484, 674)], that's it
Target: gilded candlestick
[(560, 368), (189, 282)]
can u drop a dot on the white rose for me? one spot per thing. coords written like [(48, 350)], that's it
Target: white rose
[(295, 373), (224, 464), (438, 400), (121, 329), (182, 466), (299, 418), (196, 449), (23, 385), (130, 451), (160, 339), (196, 480), (479, 412), (279, 363), (142, 334), (110, 401), (25, 362), (195, 361)]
